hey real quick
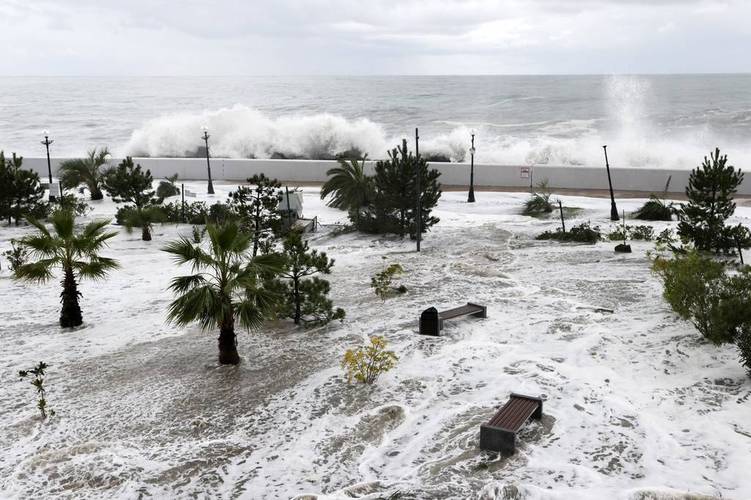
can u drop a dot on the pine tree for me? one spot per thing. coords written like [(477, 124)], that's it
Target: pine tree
[(395, 205), (257, 209), (710, 203), (128, 183), (305, 295)]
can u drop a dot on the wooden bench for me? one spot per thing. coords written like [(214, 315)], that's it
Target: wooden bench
[(431, 321), (500, 433)]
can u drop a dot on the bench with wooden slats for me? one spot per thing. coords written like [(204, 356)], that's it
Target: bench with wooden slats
[(431, 321), (499, 434)]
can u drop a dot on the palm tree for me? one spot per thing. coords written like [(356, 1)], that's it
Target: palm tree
[(226, 287), (76, 253), (351, 188), (87, 171)]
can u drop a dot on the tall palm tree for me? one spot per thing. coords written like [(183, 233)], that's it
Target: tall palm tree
[(75, 253), (87, 171), (350, 187), (226, 287)]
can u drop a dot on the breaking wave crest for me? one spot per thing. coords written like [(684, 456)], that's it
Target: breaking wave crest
[(243, 132)]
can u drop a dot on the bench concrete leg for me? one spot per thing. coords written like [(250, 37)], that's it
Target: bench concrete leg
[(495, 439)]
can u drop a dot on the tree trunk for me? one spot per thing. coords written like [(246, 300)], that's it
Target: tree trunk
[(96, 194), (70, 315), (296, 291), (228, 343), (146, 232)]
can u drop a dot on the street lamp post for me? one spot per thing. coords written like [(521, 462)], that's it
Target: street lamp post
[(471, 196), (208, 161), (418, 214), (47, 143), (613, 208)]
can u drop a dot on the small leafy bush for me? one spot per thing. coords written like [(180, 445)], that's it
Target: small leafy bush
[(17, 255), (583, 233), (73, 203), (382, 282), (538, 202), (38, 382), (365, 364), (167, 188), (195, 213), (700, 290), (655, 209), (638, 233)]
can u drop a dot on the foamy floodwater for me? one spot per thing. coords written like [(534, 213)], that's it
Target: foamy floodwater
[(637, 405)]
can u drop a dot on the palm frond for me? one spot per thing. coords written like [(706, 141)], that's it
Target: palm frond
[(41, 245), (201, 304), (63, 222), (185, 252), (182, 284), (96, 268), (38, 272)]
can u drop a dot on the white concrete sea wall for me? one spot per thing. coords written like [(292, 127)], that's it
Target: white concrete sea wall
[(452, 174)]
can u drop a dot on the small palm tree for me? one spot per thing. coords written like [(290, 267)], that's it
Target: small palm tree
[(87, 171), (226, 287), (350, 187), (76, 253)]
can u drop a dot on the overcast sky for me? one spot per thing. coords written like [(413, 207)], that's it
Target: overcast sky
[(252, 37)]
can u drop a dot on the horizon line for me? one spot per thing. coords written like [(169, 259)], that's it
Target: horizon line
[(373, 75)]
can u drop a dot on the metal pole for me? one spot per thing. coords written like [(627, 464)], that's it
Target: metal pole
[(418, 216), (613, 208), (182, 191), (47, 143), (208, 162), (563, 222), (471, 196)]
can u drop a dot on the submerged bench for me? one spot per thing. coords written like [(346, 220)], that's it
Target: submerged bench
[(500, 433), (431, 321)]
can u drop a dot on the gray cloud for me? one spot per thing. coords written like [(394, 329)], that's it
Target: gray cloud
[(374, 36)]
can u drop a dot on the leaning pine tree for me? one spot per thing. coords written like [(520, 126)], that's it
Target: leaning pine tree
[(128, 183), (225, 288), (75, 253), (710, 203)]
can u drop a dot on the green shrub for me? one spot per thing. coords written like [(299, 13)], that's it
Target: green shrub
[(655, 209), (583, 233), (74, 204), (17, 256), (699, 290), (365, 364), (638, 233), (167, 188), (382, 282), (538, 202)]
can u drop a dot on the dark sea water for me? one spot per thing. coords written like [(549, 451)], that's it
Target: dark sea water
[(656, 121)]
